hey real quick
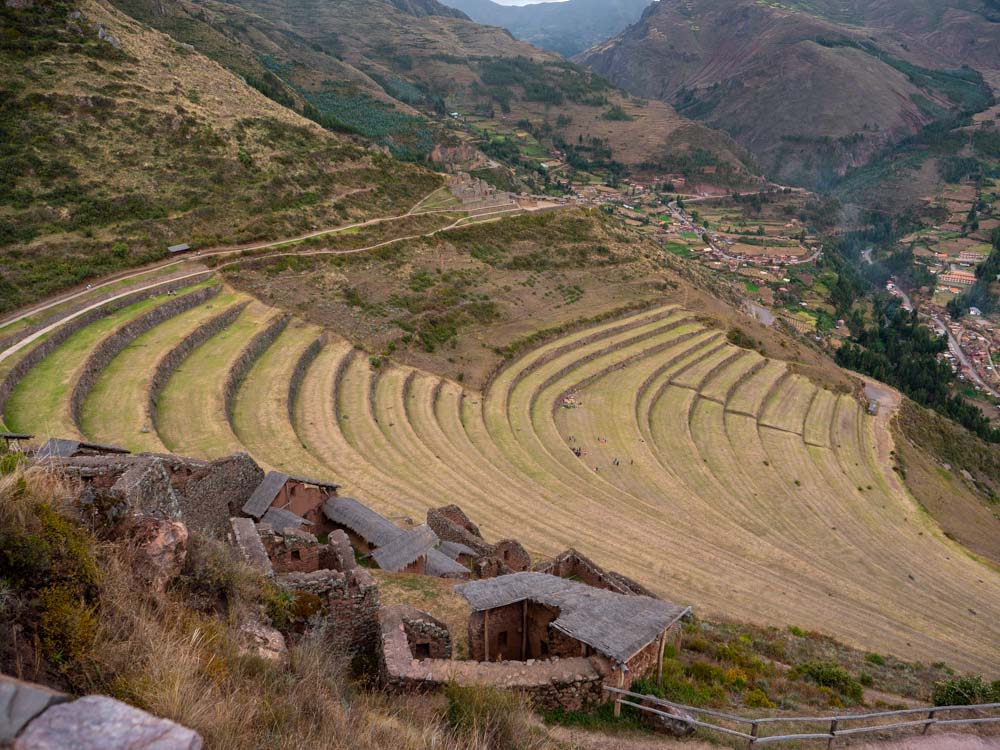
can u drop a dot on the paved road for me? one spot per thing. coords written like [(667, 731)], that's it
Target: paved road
[(956, 349)]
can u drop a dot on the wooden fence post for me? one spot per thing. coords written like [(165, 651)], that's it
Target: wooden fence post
[(930, 715), (833, 733), (753, 735), (618, 696)]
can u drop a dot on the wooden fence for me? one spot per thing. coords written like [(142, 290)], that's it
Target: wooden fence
[(833, 726)]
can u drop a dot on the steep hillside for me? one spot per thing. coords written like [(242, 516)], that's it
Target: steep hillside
[(118, 141), (566, 27), (394, 75), (841, 94)]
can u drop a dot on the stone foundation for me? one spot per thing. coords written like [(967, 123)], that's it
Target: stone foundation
[(348, 601)]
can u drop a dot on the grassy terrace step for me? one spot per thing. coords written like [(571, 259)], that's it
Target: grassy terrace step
[(191, 415), (260, 413), (40, 403)]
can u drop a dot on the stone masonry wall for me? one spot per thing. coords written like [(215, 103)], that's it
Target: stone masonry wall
[(114, 344), (349, 601), (63, 332), (299, 373), (573, 684), (172, 359), (250, 354)]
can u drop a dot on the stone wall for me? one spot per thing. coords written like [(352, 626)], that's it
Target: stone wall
[(115, 343), (349, 601), (291, 551), (574, 684), (299, 373), (172, 359), (259, 344), (426, 636), (216, 492), (63, 332), (572, 564), (514, 556), (201, 493)]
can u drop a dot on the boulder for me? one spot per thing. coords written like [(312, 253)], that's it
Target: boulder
[(20, 702), (677, 724), (263, 641), (100, 723), (161, 550)]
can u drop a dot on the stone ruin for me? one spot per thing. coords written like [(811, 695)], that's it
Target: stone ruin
[(451, 524), (573, 564)]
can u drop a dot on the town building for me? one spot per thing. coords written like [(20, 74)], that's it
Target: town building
[(299, 495)]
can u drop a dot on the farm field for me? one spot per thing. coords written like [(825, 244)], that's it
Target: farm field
[(708, 472)]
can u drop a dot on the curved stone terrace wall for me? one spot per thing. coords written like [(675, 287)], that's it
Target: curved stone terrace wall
[(114, 344), (241, 367), (172, 359), (60, 335)]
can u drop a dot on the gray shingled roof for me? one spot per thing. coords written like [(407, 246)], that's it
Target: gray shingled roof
[(439, 564), (454, 549), (267, 490), (406, 548), (362, 520), (63, 448), (617, 626), (280, 519)]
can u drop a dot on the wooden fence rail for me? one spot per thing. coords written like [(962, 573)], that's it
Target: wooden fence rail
[(834, 724)]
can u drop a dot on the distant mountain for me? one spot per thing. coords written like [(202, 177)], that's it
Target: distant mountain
[(567, 27), (811, 89), (422, 8), (392, 72)]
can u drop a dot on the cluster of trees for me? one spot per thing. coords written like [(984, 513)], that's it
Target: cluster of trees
[(898, 350)]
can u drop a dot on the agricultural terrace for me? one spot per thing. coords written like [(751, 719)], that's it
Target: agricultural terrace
[(710, 473)]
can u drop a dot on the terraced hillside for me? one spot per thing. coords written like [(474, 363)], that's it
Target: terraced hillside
[(710, 473)]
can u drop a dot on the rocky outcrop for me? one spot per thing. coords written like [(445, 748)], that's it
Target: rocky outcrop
[(34, 717), (20, 702), (100, 723), (667, 720), (161, 550)]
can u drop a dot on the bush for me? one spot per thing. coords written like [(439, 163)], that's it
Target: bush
[(489, 717), (757, 698), (830, 675), (966, 691), (876, 659)]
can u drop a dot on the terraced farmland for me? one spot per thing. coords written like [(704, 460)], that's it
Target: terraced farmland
[(713, 475)]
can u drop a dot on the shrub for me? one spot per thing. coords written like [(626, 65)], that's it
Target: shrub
[(830, 675), (876, 659), (966, 691), (757, 698), (67, 625), (489, 717)]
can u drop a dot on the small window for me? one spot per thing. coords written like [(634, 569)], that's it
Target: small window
[(543, 647), (506, 555), (296, 554), (502, 639), (422, 651)]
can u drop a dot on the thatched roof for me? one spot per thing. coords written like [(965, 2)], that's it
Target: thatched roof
[(405, 549), (63, 448), (280, 519), (362, 520), (454, 549), (615, 625), (268, 489)]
